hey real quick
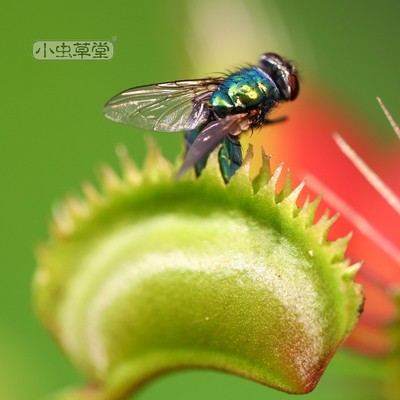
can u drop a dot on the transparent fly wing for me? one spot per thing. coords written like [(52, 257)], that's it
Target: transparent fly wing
[(165, 107), (211, 136)]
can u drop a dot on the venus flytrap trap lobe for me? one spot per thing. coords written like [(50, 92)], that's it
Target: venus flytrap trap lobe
[(153, 274)]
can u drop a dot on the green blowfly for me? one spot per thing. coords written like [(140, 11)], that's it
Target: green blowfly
[(211, 111)]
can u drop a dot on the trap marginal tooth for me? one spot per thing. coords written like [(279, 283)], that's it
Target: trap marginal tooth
[(330, 222), (110, 181), (306, 202), (121, 151), (338, 247), (295, 193), (76, 207), (350, 271), (130, 171), (289, 202), (307, 212), (91, 193), (156, 166), (63, 221), (287, 186), (245, 168), (321, 228), (264, 174), (268, 191), (266, 165), (275, 176)]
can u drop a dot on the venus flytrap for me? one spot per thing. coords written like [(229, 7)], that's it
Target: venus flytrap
[(152, 274)]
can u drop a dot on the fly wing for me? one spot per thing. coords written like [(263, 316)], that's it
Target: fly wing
[(165, 107), (211, 136)]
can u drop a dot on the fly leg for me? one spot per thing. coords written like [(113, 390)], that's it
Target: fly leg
[(230, 157), (274, 121)]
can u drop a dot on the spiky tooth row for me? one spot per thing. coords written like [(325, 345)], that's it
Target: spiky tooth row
[(157, 168)]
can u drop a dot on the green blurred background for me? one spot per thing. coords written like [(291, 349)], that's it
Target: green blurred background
[(54, 134)]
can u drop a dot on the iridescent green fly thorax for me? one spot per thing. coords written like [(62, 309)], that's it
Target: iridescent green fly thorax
[(246, 89)]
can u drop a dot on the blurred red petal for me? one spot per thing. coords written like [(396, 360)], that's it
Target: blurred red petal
[(369, 340), (380, 309)]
